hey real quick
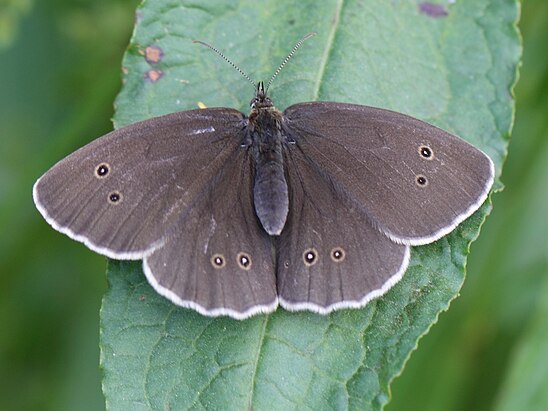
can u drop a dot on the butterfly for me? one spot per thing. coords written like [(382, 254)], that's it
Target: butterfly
[(313, 208)]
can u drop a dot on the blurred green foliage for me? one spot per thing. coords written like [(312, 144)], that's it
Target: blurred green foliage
[(59, 75), (11, 11)]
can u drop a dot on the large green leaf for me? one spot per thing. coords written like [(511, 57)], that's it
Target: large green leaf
[(455, 69)]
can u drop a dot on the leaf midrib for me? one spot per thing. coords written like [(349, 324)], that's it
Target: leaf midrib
[(327, 51), (256, 360), (316, 93)]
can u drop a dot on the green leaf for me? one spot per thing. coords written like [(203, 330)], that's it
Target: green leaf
[(455, 71)]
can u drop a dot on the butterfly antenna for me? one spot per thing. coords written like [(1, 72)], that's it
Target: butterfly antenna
[(295, 48), (227, 60)]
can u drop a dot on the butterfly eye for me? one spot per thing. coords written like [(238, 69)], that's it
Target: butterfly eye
[(310, 257), (337, 254), (421, 181), (218, 261), (102, 170), (244, 261), (426, 152), (114, 197)]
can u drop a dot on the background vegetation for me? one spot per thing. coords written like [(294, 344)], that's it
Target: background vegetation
[(60, 73)]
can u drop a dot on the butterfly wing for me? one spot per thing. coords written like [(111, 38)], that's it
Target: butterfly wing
[(121, 193), (415, 182), (330, 256), (219, 259)]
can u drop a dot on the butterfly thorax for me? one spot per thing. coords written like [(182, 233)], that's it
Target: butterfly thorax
[(270, 195)]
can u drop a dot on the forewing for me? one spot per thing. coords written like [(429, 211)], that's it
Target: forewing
[(153, 169), (415, 181), (330, 255), (219, 259)]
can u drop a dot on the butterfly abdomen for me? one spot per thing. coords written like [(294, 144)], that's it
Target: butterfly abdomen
[(270, 196)]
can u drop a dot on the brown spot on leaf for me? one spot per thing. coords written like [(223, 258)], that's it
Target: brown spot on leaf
[(433, 10), (154, 75), (153, 54)]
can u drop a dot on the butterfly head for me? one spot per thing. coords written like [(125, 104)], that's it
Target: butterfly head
[(260, 100)]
